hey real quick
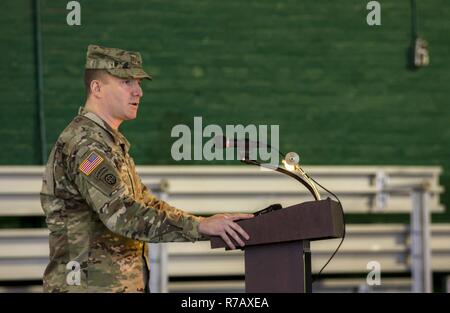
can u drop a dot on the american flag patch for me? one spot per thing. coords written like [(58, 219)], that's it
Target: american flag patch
[(90, 163)]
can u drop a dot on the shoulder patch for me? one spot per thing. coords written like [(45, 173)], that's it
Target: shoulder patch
[(110, 179), (90, 163)]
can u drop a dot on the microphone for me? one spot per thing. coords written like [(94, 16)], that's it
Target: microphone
[(243, 145), (292, 158), (224, 143), (270, 208)]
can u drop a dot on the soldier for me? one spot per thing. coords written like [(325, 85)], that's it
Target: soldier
[(99, 213)]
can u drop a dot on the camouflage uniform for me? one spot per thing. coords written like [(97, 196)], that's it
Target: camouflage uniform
[(100, 214)]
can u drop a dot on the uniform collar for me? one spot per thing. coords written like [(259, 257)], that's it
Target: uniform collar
[(115, 134)]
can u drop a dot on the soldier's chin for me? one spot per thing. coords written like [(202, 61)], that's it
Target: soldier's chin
[(131, 116)]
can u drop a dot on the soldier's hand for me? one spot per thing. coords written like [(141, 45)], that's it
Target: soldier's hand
[(223, 225)]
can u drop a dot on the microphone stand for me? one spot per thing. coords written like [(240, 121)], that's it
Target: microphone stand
[(303, 178), (278, 169)]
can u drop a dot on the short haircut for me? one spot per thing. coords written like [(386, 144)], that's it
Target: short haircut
[(90, 75)]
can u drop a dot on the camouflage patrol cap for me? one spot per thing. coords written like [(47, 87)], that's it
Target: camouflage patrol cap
[(117, 62)]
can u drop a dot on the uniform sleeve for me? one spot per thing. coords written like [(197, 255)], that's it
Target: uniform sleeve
[(98, 180), (152, 201)]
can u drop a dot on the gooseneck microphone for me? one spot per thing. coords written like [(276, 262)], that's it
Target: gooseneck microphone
[(292, 169), (246, 144)]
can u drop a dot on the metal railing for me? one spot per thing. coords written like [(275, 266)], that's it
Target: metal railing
[(208, 190)]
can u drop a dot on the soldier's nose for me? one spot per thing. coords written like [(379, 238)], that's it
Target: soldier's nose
[(138, 92)]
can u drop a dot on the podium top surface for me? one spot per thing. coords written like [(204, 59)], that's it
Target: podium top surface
[(313, 220)]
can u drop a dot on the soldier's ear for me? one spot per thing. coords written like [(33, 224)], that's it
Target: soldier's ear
[(96, 87)]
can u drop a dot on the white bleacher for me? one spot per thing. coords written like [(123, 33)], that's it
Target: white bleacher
[(212, 189), (24, 255)]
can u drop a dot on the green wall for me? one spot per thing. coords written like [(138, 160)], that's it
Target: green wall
[(340, 90)]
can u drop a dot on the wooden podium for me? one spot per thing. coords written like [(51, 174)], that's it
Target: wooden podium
[(277, 256)]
